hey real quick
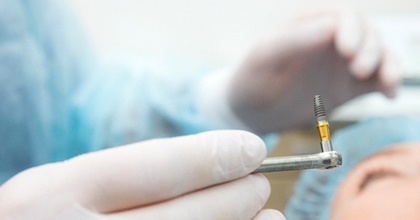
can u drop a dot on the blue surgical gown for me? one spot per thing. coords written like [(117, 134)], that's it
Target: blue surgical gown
[(59, 99)]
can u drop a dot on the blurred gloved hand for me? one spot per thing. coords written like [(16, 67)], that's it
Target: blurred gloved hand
[(332, 53), (204, 176)]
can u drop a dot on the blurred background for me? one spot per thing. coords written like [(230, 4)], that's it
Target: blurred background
[(221, 32)]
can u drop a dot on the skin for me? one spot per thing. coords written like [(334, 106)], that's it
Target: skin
[(384, 186)]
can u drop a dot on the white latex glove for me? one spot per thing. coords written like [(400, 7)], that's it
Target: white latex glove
[(332, 53), (204, 176)]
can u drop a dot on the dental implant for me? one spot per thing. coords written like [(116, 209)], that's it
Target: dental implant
[(327, 159), (323, 125)]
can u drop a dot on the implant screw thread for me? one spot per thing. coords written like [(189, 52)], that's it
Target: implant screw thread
[(319, 109), (323, 125)]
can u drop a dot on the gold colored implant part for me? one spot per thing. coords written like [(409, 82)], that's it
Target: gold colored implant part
[(324, 130)]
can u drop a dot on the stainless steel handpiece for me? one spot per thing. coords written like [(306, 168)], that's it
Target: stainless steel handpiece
[(327, 159)]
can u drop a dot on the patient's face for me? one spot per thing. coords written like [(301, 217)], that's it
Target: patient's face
[(384, 186)]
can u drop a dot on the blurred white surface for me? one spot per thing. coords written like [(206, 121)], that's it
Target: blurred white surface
[(402, 34), (376, 105), (220, 32)]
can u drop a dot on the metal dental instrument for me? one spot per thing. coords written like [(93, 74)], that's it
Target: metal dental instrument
[(327, 159)]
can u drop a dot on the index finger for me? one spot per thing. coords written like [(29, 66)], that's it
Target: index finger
[(157, 170)]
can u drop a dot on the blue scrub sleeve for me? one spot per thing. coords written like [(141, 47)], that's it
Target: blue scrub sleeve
[(43, 59), (58, 99)]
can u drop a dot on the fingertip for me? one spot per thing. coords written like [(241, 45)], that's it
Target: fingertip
[(233, 153), (390, 74), (365, 65), (391, 88), (262, 185), (254, 149), (269, 214), (361, 71), (390, 93)]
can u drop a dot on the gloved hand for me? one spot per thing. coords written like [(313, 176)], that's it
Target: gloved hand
[(204, 176), (332, 53)]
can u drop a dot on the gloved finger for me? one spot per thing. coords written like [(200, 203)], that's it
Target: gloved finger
[(157, 170), (240, 199), (349, 33), (268, 214), (390, 73), (367, 60)]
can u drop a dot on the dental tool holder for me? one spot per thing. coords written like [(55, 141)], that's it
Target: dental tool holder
[(327, 159)]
